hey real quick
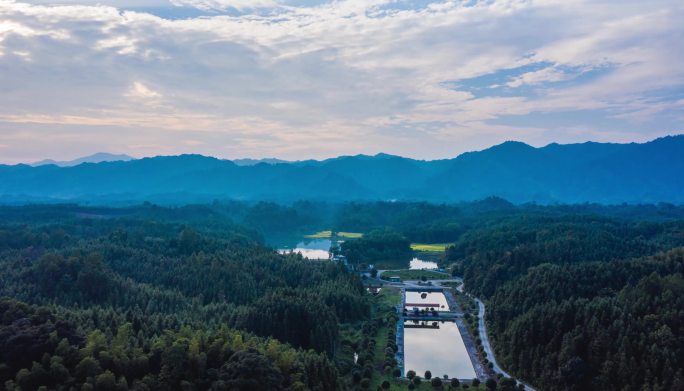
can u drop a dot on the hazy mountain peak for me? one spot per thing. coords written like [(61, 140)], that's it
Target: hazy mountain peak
[(99, 157), (512, 145), (254, 162), (383, 155)]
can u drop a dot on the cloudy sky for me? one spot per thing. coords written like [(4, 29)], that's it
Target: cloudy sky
[(298, 79)]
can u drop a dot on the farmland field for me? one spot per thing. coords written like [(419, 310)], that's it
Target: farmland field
[(429, 247), (329, 234)]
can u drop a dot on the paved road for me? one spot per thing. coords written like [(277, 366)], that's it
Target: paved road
[(485, 341), (488, 348), (482, 328)]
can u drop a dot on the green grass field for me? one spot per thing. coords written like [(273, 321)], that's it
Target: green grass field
[(416, 274), (389, 296), (350, 235), (328, 235), (320, 235), (430, 247)]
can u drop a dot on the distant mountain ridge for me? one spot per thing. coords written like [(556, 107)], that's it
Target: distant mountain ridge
[(572, 173), (102, 157), (99, 157), (254, 162)]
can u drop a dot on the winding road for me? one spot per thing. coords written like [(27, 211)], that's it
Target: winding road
[(482, 328)]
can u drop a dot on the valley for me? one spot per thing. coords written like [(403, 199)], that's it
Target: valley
[(338, 311), (341, 195)]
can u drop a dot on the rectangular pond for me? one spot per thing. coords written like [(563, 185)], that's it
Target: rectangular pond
[(437, 347), (426, 300)]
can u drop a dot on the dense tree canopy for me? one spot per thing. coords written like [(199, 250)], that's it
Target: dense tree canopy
[(128, 303), (581, 302), (376, 246), (578, 297)]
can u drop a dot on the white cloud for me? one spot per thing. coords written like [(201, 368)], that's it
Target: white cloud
[(538, 77), (141, 91), (315, 80), (225, 4)]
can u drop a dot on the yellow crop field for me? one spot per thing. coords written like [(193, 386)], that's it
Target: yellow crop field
[(320, 235), (430, 247), (329, 234)]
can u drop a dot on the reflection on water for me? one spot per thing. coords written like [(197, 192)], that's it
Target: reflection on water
[(426, 300), (419, 264), (313, 249), (437, 347)]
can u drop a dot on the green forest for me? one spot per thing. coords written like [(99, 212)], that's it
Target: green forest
[(581, 302), (579, 297), (146, 304)]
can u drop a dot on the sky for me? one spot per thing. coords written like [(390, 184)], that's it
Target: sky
[(298, 79)]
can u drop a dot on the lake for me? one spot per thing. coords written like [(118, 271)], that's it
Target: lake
[(311, 249), (440, 350), (429, 298), (419, 264)]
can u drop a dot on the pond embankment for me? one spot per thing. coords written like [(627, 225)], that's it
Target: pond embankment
[(431, 336)]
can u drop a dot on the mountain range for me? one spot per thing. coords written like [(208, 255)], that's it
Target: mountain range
[(571, 173), (95, 158)]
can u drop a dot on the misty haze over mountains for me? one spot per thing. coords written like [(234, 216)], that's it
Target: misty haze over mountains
[(95, 158), (573, 173)]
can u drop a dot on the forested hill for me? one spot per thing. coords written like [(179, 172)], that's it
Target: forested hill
[(589, 172), (581, 303), (579, 297), (118, 304)]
